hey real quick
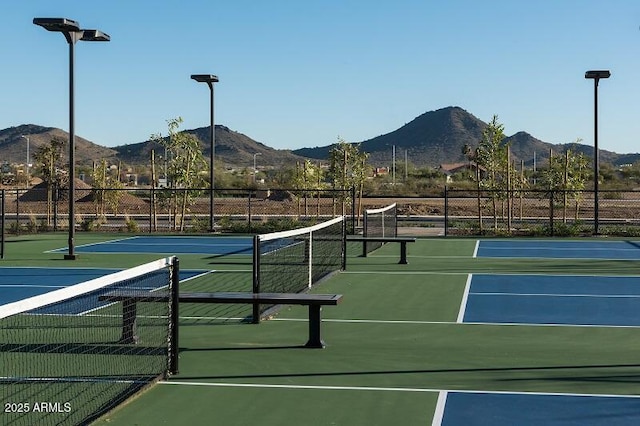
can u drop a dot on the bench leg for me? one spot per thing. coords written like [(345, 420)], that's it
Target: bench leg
[(129, 314), (314, 328), (403, 253)]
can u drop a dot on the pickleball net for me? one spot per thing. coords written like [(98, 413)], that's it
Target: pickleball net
[(61, 360), (382, 222), (293, 261)]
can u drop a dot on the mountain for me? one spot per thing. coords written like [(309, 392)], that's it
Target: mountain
[(232, 148), (13, 144), (431, 139), (438, 137)]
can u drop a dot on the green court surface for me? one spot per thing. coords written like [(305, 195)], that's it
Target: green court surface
[(392, 345)]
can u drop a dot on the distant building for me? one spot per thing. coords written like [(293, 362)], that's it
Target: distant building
[(470, 167)]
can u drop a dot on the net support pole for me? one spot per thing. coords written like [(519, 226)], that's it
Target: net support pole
[(174, 345), (309, 253), (256, 277), (344, 245)]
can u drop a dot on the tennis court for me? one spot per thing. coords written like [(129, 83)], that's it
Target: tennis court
[(456, 337)]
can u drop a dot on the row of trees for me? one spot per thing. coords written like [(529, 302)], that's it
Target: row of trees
[(565, 176)]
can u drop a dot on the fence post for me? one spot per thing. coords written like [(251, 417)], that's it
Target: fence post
[(551, 214), (18, 210), (353, 210), (249, 210), (2, 194), (446, 211)]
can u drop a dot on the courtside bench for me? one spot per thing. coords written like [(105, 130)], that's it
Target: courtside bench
[(315, 302), (402, 240)]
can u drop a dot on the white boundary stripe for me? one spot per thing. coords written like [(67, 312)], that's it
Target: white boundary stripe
[(274, 386), (381, 209), (595, 296), (439, 413), (491, 324), (82, 288), (465, 298), (475, 249), (385, 389), (294, 232), (117, 240)]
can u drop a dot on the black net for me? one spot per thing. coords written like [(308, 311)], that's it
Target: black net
[(381, 222), (293, 261), (62, 359)]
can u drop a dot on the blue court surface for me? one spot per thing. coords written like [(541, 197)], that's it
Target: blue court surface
[(522, 409), (215, 245), (553, 299), (18, 283), (554, 249)]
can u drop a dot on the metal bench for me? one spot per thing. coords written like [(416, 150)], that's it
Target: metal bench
[(402, 240), (315, 302)]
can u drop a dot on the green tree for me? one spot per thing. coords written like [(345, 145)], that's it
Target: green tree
[(186, 168), (566, 177), (106, 185), (492, 154), (347, 169), (49, 165)]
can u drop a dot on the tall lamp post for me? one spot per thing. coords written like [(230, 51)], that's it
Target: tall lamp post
[(72, 33), (596, 76), (28, 160), (209, 79), (254, 165)]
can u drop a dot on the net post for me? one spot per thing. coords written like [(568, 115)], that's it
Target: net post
[(309, 254), (256, 277), (365, 226), (174, 346), (344, 245)]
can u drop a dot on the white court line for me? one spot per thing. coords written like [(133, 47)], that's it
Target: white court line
[(595, 296), (93, 244), (475, 250), (418, 322), (439, 413), (465, 298), (383, 389)]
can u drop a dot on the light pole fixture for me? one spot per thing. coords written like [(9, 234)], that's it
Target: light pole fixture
[(254, 165), (210, 79), (28, 160), (72, 33), (596, 76)]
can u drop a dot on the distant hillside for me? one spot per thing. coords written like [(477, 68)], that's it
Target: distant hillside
[(439, 136), (431, 139), (231, 148), (13, 147)]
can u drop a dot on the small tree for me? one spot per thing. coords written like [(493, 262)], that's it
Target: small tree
[(185, 167), (347, 169), (106, 188), (492, 154), (566, 176), (48, 160)]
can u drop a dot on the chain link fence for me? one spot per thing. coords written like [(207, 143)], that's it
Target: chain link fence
[(170, 210), (456, 213), (542, 213)]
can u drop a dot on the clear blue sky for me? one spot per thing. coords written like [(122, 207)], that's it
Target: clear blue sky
[(300, 73)]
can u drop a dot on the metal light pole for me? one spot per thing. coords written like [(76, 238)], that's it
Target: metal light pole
[(596, 76), (254, 165), (28, 159), (210, 79), (72, 33)]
